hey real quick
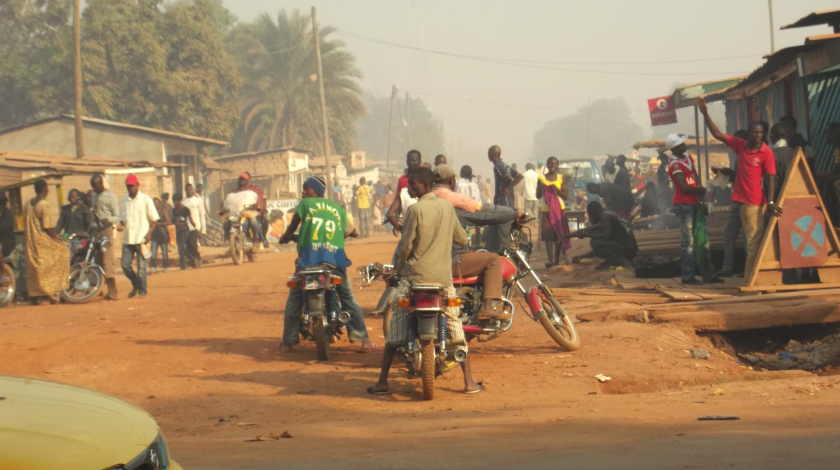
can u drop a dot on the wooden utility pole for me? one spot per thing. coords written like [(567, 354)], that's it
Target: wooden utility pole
[(390, 121), (772, 28), (77, 72), (323, 106), (407, 124)]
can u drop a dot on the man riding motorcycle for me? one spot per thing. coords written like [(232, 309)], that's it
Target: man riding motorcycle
[(468, 264), (323, 228), (244, 184)]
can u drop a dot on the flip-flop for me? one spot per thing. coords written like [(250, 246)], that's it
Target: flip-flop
[(285, 350), (473, 392), (375, 348), (378, 392)]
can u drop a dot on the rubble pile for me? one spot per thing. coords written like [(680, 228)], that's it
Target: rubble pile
[(809, 356)]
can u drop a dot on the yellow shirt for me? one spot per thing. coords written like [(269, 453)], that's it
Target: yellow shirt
[(362, 193), (559, 183)]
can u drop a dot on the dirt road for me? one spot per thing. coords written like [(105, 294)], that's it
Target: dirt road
[(202, 348)]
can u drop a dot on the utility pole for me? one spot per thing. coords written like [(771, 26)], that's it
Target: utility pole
[(772, 28), (588, 115), (77, 76), (326, 134), (390, 121), (407, 124)]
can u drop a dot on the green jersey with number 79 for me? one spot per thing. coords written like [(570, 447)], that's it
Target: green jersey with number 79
[(321, 235)]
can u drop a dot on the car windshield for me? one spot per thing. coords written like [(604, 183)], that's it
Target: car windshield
[(585, 170)]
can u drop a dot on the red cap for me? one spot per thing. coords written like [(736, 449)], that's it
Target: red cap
[(132, 180), (245, 176)]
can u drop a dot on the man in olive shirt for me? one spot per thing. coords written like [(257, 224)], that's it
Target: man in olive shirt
[(425, 258), (106, 210), (611, 241)]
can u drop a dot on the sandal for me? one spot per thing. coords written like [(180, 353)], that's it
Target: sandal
[(377, 392), (478, 390), (373, 348)]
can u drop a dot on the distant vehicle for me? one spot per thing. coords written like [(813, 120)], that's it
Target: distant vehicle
[(583, 171), (47, 425)]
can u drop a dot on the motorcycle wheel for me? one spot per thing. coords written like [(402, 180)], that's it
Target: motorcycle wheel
[(322, 340), (7, 293), (90, 285), (428, 370), (557, 324), (236, 248)]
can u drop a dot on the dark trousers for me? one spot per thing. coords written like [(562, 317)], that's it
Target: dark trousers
[(163, 244), (188, 247), (612, 252), (138, 279), (483, 263)]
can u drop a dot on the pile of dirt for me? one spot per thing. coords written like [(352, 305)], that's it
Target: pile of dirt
[(809, 356)]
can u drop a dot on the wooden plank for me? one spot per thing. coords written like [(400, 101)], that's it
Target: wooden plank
[(679, 295), (794, 313), (757, 298), (667, 283), (628, 298), (709, 295), (789, 287)]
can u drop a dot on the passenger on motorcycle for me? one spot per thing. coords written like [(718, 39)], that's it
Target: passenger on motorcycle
[(243, 184), (323, 228), (424, 257), (468, 264)]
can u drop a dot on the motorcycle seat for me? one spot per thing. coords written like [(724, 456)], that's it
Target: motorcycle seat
[(460, 281)]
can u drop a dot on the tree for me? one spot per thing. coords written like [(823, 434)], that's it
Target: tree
[(372, 131), (281, 101), (35, 59), (605, 127)]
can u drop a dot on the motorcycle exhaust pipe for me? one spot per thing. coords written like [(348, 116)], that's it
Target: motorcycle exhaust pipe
[(344, 317), (460, 355)]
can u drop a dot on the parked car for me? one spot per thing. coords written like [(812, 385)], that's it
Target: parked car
[(47, 425)]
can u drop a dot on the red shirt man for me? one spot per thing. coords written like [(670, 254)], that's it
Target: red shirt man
[(687, 168), (753, 165)]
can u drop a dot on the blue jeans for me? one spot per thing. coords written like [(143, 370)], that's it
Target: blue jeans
[(356, 329), (685, 215), (164, 253), (138, 280)]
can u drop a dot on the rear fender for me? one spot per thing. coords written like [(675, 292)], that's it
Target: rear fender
[(427, 326)]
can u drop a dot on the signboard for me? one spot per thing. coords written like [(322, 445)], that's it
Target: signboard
[(280, 212), (357, 160), (662, 111), (802, 237)]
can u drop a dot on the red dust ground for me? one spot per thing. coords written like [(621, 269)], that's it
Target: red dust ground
[(202, 348)]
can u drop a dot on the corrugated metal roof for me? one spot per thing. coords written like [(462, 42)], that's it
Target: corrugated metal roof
[(121, 125), (660, 143), (829, 17), (70, 164), (774, 62), (687, 95), (263, 152)]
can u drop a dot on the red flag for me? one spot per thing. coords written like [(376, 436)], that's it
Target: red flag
[(662, 111)]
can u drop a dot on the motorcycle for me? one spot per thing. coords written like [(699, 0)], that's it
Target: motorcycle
[(7, 289), (322, 318), (86, 275), (426, 350), (241, 237)]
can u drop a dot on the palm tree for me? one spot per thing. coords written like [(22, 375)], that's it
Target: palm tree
[(280, 97)]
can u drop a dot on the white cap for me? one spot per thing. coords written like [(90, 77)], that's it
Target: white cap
[(673, 140)]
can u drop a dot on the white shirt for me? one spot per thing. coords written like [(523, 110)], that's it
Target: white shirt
[(196, 206), (135, 214), (529, 190), (468, 188), (406, 201)]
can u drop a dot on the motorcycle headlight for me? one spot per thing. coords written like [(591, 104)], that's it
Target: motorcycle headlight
[(233, 218), (154, 457)]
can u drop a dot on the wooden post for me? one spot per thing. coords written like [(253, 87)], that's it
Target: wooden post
[(326, 133), (77, 73)]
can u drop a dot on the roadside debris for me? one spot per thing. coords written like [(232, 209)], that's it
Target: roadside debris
[(719, 418), (698, 353), (271, 437), (810, 356), (603, 378)]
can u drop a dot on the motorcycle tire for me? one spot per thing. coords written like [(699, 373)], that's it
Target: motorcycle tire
[(557, 324), (94, 277), (428, 370), (322, 340), (7, 292), (236, 248)]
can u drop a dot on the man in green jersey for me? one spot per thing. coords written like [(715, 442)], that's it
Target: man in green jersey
[(323, 227)]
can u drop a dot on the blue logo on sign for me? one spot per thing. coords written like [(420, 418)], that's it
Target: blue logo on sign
[(817, 236)]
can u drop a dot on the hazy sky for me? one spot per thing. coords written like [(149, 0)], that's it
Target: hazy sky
[(557, 31)]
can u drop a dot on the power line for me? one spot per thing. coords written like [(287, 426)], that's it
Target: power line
[(515, 105), (541, 64)]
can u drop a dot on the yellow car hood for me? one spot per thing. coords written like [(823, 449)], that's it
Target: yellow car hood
[(47, 425)]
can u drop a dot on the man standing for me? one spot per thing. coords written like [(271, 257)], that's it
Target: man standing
[(529, 190), (166, 205), (195, 204), (160, 238), (608, 171), (797, 141), (687, 194), (755, 163), (622, 177), (106, 209), (138, 217), (618, 199), (506, 179), (611, 241), (74, 217), (186, 235), (243, 183), (440, 160), (425, 258), (363, 202), (402, 200), (466, 186)]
